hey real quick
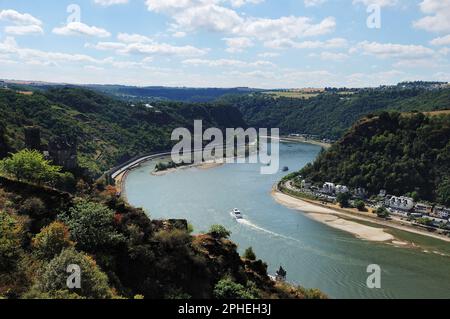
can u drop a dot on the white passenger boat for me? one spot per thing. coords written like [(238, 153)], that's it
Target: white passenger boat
[(236, 213)]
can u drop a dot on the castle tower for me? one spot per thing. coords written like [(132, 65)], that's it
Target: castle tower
[(33, 138), (63, 152)]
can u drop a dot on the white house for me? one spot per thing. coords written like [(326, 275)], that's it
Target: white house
[(360, 193), (441, 212), (342, 189), (329, 188), (402, 203), (306, 184)]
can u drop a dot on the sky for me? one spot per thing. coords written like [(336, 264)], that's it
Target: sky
[(226, 43)]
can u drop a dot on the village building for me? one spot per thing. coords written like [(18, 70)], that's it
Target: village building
[(360, 193), (441, 212), (424, 209), (342, 189), (306, 184), (401, 203), (328, 188)]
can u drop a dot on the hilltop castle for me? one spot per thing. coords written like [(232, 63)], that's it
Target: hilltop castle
[(62, 151)]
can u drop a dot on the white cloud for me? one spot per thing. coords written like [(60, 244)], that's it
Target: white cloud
[(143, 45), (236, 45), (416, 63), (332, 56), (133, 38), (19, 18), (240, 3), (381, 3), (107, 3), (210, 15), (24, 23), (24, 29), (268, 55), (286, 27), (313, 3), (228, 63), (438, 16), (38, 57), (288, 43), (81, 29), (441, 41), (390, 50)]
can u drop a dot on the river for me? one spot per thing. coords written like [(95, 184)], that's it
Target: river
[(314, 255)]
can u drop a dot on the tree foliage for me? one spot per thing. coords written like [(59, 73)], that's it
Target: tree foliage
[(91, 226), (249, 254), (219, 231), (51, 241), (94, 283), (228, 289), (30, 166), (403, 154), (10, 242)]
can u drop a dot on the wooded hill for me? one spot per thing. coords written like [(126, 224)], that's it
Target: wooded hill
[(108, 130), (405, 154), (330, 115)]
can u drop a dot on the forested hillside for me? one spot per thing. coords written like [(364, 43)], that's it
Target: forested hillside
[(329, 115), (167, 93), (401, 153), (108, 130)]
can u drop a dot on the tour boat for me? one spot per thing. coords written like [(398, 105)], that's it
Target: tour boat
[(236, 213)]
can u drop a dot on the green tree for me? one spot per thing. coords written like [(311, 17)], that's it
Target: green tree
[(228, 289), (382, 212), (51, 241), (10, 242), (360, 205), (443, 191), (91, 226), (30, 166), (94, 283), (219, 232), (249, 254), (343, 199)]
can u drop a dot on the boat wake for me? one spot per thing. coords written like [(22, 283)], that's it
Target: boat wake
[(248, 223)]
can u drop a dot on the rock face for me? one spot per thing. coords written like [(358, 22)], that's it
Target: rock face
[(63, 152), (33, 138)]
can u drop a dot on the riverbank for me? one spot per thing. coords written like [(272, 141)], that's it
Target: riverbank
[(304, 140), (347, 221), (205, 165)]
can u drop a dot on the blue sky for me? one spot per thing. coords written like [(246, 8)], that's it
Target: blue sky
[(226, 43)]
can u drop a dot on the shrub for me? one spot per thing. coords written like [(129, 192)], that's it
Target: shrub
[(382, 212), (343, 199), (219, 232), (51, 241), (228, 289), (249, 254), (91, 225), (94, 283), (30, 166), (360, 205), (10, 242), (33, 206)]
